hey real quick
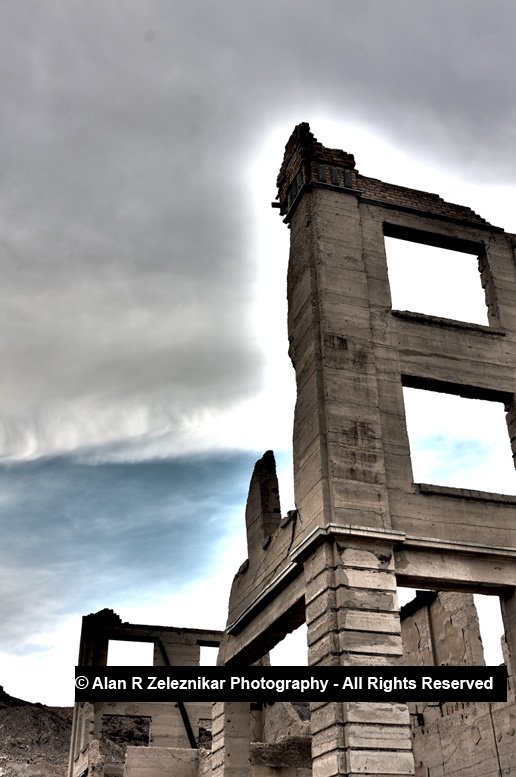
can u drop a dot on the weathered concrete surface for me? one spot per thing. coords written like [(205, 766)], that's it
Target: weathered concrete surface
[(459, 739), (361, 525), (263, 511), (161, 762), (441, 629), (280, 720), (231, 739), (287, 752), (352, 355), (467, 740), (355, 495), (170, 726)]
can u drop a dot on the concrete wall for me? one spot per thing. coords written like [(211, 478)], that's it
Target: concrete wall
[(459, 739), (161, 762), (362, 525), (441, 629), (466, 740), (171, 725)]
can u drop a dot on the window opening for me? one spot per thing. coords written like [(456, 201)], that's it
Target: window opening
[(292, 650), (208, 655), (435, 281), (128, 653), (119, 731), (405, 595), (491, 628), (459, 442)]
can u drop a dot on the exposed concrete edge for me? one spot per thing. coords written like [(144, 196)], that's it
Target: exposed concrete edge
[(268, 593), (422, 599), (337, 531), (465, 493), (446, 323), (496, 551), (286, 752), (314, 184)]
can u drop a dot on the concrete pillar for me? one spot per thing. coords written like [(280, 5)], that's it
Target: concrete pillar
[(231, 739), (508, 607), (353, 619)]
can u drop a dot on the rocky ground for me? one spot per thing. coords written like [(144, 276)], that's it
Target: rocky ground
[(34, 739)]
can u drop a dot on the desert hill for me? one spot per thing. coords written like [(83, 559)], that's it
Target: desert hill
[(34, 739)]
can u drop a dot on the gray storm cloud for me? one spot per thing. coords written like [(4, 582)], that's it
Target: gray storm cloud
[(126, 144), (129, 259)]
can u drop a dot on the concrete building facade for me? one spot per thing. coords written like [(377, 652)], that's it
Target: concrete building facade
[(362, 526)]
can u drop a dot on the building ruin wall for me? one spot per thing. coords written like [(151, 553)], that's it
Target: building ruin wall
[(362, 526)]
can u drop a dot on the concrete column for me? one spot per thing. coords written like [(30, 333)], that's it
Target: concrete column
[(231, 739), (508, 607), (353, 619)]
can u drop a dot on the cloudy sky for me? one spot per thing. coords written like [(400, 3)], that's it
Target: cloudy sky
[(143, 337)]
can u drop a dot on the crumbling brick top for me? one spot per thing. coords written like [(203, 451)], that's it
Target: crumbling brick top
[(307, 162)]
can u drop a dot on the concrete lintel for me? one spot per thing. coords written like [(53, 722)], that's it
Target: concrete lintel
[(467, 390), (457, 568), (343, 531), (136, 632), (268, 625), (453, 546)]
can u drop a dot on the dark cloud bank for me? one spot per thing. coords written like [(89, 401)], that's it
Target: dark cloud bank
[(125, 150)]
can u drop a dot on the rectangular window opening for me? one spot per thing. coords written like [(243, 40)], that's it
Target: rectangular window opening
[(459, 442), (208, 655), (447, 628), (436, 276), (128, 653)]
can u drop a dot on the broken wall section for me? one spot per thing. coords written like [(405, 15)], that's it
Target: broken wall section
[(441, 629), (169, 725), (454, 738)]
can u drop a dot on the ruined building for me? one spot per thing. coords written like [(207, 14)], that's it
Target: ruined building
[(362, 526)]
